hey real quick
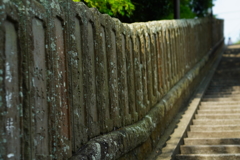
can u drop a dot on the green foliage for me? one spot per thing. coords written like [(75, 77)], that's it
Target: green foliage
[(185, 9), (147, 10), (111, 7), (201, 7)]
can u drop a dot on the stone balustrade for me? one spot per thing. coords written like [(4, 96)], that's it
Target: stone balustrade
[(77, 83)]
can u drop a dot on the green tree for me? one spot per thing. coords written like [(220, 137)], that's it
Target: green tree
[(201, 7), (111, 7), (185, 10), (147, 10)]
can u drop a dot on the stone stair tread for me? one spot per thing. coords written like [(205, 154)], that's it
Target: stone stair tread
[(217, 116), (214, 134), (219, 111), (219, 107), (223, 81), (222, 92), (229, 89), (209, 92), (226, 87), (208, 157), (220, 98), (223, 96), (211, 103), (214, 127), (234, 86), (236, 100), (211, 141), (216, 121), (219, 91), (221, 103), (209, 149)]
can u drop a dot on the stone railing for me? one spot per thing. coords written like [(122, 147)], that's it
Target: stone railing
[(77, 83)]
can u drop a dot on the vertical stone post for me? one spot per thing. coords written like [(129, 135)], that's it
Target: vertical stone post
[(112, 71), (143, 54), (122, 73), (38, 62), (137, 71), (77, 22), (11, 92), (58, 78), (152, 28), (164, 58), (130, 73)]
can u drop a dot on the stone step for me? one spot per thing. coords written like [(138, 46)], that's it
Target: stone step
[(225, 83), (221, 103), (224, 87), (217, 116), (218, 107), (221, 89), (236, 99), (199, 128), (214, 134), (209, 92), (208, 157), (222, 96), (211, 141), (216, 121), (209, 149), (219, 111), (222, 80)]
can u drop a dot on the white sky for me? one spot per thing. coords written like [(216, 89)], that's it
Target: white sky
[(229, 10)]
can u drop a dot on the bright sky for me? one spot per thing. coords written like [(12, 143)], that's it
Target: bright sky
[(229, 10)]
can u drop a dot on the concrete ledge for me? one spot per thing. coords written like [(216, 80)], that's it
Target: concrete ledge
[(115, 144)]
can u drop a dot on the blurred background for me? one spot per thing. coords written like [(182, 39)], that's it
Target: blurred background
[(229, 10)]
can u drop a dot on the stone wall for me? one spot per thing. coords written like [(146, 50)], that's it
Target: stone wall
[(77, 83)]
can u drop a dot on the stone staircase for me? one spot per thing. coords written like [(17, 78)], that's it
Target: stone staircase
[(215, 130)]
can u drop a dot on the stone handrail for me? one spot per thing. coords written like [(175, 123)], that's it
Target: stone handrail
[(77, 81)]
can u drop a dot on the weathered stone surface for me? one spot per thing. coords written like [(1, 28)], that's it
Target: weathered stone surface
[(80, 74), (139, 132)]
